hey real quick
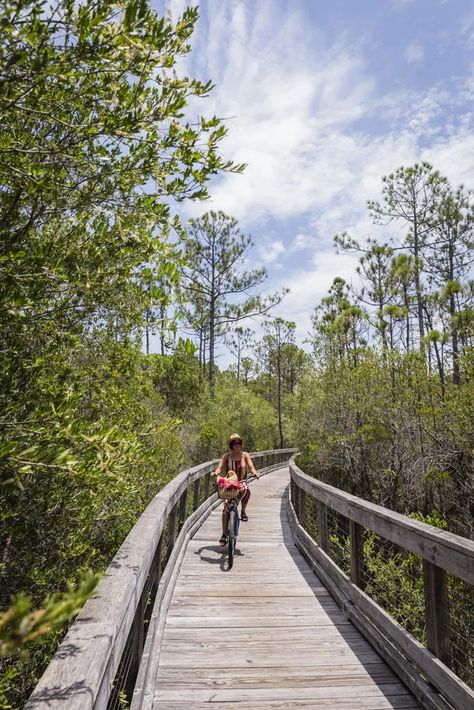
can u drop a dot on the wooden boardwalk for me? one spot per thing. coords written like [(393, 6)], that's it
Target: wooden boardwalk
[(266, 634)]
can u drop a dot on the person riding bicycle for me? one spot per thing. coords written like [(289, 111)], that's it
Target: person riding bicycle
[(240, 463)]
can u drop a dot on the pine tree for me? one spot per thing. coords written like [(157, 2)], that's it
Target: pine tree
[(214, 276), (412, 195)]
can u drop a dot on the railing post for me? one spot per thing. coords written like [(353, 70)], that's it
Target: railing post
[(172, 528), (322, 526), (196, 492), (436, 611), (296, 501), (302, 508), (357, 550), (155, 568), (207, 485), (137, 633), (182, 508)]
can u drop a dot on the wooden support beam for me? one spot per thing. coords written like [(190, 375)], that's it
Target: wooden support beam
[(436, 611), (357, 545), (136, 640), (302, 507), (172, 528), (196, 492), (182, 509), (207, 485), (322, 526), (296, 501), (155, 569), (452, 688)]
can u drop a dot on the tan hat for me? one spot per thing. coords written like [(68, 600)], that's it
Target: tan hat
[(234, 437)]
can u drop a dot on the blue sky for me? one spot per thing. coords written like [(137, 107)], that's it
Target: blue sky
[(326, 97)]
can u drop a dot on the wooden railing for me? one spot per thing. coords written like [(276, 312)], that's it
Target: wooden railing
[(106, 656), (332, 528)]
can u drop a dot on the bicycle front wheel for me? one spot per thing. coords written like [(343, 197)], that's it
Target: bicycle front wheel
[(231, 536)]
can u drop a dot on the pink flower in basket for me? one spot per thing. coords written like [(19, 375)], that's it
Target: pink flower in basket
[(226, 483)]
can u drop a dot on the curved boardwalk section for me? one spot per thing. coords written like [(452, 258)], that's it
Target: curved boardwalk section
[(266, 634)]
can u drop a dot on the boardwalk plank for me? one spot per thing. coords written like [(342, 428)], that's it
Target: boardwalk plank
[(280, 676), (312, 634), (401, 702), (313, 622), (212, 695)]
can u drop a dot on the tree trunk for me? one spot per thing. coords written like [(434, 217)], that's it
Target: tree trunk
[(381, 321), (452, 313), (407, 306), (162, 329), (212, 316), (419, 298), (147, 331), (354, 345), (211, 349), (280, 424)]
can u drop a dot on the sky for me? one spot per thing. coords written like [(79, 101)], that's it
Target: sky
[(322, 98)]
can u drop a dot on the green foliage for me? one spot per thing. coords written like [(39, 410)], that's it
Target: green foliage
[(383, 430), (28, 636), (394, 579), (20, 624), (234, 408), (177, 378), (94, 150), (92, 112)]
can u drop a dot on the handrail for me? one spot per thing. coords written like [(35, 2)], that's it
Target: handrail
[(99, 658), (441, 552)]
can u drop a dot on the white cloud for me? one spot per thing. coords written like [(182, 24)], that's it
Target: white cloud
[(414, 52), (270, 251), (453, 156), (467, 25), (288, 107), (301, 242), (310, 285), (293, 117)]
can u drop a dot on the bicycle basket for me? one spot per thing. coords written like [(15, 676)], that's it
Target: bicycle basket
[(228, 486), (228, 493)]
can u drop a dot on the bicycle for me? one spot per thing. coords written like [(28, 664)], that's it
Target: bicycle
[(231, 494)]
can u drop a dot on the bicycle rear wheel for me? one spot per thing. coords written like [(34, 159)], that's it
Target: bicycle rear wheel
[(231, 536)]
